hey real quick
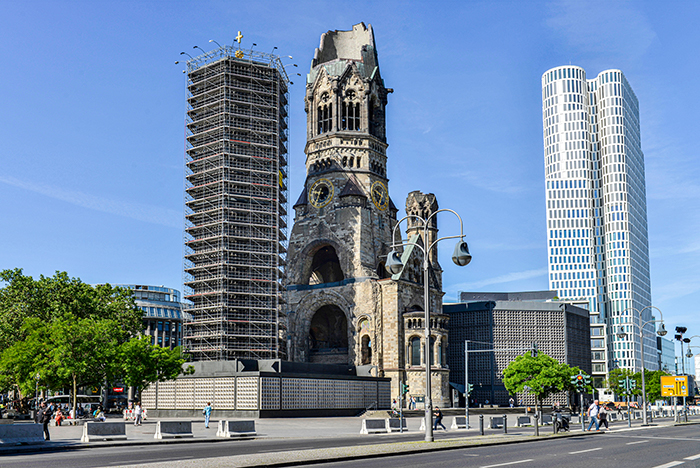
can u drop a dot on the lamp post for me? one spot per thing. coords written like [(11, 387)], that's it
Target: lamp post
[(394, 265), (661, 332)]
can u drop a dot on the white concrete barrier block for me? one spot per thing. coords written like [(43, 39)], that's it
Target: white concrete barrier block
[(93, 431), (173, 429), (236, 429), (21, 434)]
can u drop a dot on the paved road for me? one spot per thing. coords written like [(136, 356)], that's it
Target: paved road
[(648, 448), (317, 438)]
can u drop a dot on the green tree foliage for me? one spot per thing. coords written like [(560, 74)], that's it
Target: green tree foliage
[(652, 379), (540, 376), (614, 377), (143, 363), (73, 334)]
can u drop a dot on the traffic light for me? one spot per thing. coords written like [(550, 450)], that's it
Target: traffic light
[(534, 350), (404, 388), (623, 383), (580, 382), (633, 384), (587, 379), (470, 387)]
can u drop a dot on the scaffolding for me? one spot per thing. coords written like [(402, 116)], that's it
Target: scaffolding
[(236, 205)]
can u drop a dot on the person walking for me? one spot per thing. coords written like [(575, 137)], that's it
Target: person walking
[(413, 403), (511, 402), (207, 413), (603, 417), (593, 412), (438, 418), (138, 412)]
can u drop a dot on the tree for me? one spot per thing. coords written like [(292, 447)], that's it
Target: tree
[(67, 331), (541, 376), (143, 363), (652, 379), (614, 377)]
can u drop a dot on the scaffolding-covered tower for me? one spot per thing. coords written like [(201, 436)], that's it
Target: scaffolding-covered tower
[(235, 205)]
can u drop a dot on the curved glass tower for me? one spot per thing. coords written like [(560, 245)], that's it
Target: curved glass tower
[(596, 210)]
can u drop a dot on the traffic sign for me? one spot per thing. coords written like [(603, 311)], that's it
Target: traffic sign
[(674, 386)]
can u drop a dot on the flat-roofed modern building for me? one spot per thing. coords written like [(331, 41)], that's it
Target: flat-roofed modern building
[(596, 208), (510, 327)]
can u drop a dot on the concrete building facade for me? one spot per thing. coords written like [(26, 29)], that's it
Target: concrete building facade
[(510, 328), (596, 209)]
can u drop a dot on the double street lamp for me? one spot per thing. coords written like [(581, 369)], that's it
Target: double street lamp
[(661, 332), (394, 265)]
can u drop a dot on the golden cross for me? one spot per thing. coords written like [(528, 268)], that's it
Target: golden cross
[(239, 37)]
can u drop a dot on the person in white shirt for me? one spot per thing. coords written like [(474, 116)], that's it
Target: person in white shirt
[(593, 411)]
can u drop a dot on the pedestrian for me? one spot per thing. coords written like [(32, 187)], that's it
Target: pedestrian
[(593, 411), (603, 417), (45, 418), (138, 412), (511, 402), (438, 418), (59, 417), (413, 403), (207, 413)]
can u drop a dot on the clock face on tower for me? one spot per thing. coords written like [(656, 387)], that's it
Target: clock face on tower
[(380, 195), (321, 193)]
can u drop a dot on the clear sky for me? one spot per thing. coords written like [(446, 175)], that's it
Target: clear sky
[(92, 125)]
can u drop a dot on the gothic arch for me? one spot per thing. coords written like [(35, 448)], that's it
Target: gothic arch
[(302, 267)]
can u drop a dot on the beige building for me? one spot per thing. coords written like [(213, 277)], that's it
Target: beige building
[(343, 307)]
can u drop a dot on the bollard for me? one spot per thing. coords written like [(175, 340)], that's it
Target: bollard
[(555, 423), (481, 424), (537, 426), (505, 424)]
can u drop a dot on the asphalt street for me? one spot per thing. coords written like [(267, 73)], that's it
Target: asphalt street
[(652, 448)]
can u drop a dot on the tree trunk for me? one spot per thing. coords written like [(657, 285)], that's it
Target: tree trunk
[(75, 396)]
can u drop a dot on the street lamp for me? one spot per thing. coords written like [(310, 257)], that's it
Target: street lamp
[(394, 265), (661, 332)]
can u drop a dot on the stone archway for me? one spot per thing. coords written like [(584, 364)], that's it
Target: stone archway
[(328, 336), (325, 267)]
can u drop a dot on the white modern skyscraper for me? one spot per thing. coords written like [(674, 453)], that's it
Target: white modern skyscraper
[(596, 210)]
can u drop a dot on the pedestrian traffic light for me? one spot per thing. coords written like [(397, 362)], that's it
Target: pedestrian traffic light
[(534, 350)]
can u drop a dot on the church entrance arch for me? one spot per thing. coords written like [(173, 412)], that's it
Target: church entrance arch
[(328, 336)]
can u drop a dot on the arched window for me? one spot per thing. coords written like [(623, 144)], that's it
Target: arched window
[(366, 347), (329, 332), (350, 119), (414, 351), (325, 267), (325, 118)]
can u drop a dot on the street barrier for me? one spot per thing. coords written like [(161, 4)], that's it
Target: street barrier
[(373, 425), (173, 429), (546, 419), (236, 429), (103, 431), (524, 421), (21, 434), (394, 425), (459, 422), (496, 422)]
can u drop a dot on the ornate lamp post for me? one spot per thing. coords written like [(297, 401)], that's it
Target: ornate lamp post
[(394, 265)]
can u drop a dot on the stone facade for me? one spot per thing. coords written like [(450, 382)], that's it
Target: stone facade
[(343, 307)]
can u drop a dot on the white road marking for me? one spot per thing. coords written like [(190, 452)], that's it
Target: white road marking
[(694, 457), (670, 464), (638, 442), (509, 463), (584, 451)]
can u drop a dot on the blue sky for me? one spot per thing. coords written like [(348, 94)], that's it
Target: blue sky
[(92, 119)]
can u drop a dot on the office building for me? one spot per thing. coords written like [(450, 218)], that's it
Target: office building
[(235, 204), (596, 209)]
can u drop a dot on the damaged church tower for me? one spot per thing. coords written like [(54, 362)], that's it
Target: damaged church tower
[(343, 307)]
